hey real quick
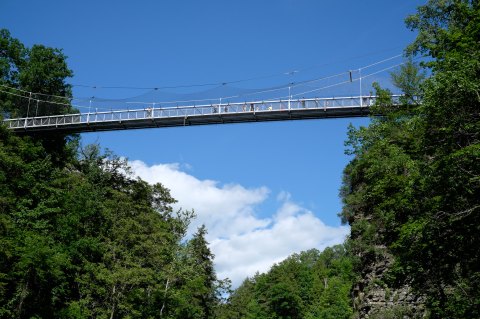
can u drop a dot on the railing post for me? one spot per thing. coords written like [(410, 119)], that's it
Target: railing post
[(289, 96), (28, 109), (89, 108), (360, 76)]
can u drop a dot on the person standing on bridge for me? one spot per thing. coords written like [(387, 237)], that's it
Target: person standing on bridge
[(370, 100), (149, 111)]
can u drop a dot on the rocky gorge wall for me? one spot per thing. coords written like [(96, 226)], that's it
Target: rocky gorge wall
[(374, 299)]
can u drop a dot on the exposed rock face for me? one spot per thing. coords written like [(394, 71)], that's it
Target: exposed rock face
[(373, 299)]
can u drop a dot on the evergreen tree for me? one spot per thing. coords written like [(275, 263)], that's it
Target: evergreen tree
[(197, 297)]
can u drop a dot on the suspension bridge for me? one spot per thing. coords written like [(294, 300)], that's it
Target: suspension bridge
[(221, 113)]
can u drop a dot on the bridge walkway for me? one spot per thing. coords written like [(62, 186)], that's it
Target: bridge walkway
[(221, 113)]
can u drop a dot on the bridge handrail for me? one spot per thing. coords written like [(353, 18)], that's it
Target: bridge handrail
[(193, 110)]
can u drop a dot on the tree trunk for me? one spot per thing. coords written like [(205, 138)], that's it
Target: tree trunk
[(164, 297), (113, 302)]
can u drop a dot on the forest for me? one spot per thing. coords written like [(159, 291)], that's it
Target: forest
[(81, 237)]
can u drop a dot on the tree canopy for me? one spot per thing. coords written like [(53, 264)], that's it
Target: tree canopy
[(32, 80), (88, 240), (305, 285), (81, 237), (414, 183)]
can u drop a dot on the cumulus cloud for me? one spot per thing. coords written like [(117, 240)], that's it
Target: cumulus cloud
[(293, 229), (242, 242), (225, 210)]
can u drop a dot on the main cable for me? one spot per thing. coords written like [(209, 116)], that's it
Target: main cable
[(289, 85), (292, 84)]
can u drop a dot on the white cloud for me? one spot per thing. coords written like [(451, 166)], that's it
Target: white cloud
[(242, 242), (225, 210), (293, 229)]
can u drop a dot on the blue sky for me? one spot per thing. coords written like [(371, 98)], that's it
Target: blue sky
[(284, 177)]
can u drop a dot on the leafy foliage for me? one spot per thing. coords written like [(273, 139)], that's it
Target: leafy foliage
[(306, 285), (38, 69), (413, 184), (41, 70), (86, 239)]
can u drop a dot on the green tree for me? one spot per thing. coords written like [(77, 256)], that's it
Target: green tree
[(32, 79), (413, 184), (449, 273), (12, 53), (33, 83), (197, 298), (81, 236), (305, 285), (409, 79), (89, 240)]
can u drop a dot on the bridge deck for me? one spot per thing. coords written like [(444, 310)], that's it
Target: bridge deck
[(150, 117)]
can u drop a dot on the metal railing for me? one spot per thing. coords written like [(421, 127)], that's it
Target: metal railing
[(192, 111)]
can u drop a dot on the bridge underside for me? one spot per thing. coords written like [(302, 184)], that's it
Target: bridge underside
[(94, 125)]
